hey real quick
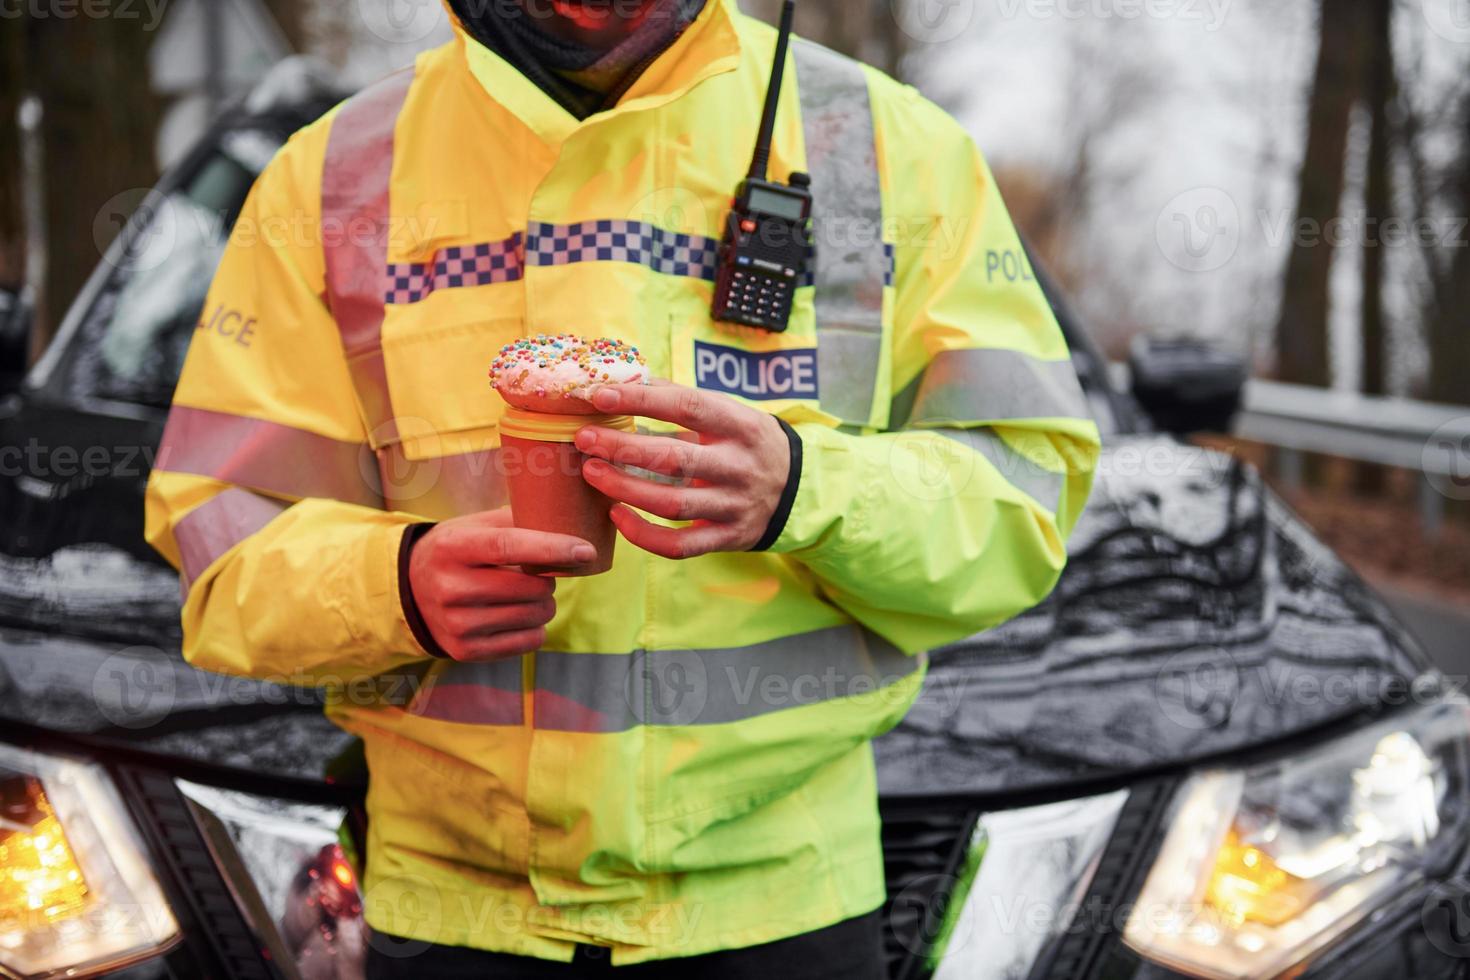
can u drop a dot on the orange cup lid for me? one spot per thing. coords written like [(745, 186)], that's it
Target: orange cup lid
[(542, 427)]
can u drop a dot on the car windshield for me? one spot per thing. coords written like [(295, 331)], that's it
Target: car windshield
[(134, 335)]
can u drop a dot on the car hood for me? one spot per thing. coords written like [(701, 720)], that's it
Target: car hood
[(1197, 616)]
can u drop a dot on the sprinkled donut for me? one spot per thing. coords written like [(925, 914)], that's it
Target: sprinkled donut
[(557, 374)]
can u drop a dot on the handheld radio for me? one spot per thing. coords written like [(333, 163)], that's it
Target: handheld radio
[(767, 237)]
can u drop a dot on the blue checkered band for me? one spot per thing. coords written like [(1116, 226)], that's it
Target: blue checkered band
[(890, 264), (667, 252), (456, 266)]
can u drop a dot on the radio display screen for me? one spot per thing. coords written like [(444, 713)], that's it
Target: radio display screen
[(780, 205)]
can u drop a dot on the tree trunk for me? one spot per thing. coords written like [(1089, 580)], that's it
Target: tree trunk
[(864, 29), (290, 15), (12, 213), (1301, 332), (1378, 199), (97, 136), (1449, 332), (1378, 203), (893, 44)]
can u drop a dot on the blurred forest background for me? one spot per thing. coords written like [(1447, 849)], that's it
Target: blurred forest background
[(1289, 178)]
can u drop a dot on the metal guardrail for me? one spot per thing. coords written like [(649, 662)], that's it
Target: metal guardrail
[(1432, 439)]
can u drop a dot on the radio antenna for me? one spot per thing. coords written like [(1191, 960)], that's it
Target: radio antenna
[(762, 159)]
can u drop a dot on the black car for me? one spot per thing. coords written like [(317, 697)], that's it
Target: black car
[(1211, 752)]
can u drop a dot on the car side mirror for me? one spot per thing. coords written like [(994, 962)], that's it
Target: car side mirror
[(16, 314), (1187, 386)]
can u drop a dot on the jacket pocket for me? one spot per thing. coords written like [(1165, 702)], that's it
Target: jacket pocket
[(438, 379), (442, 460)]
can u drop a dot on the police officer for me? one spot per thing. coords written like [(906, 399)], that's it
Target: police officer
[(664, 769)]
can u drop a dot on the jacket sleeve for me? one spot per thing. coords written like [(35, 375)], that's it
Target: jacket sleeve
[(264, 493), (955, 518)]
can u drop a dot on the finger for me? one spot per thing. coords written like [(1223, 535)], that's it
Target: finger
[(497, 546), (499, 517), (670, 542), (695, 410), (503, 646), (471, 587), (495, 518), (485, 621), (660, 454), (674, 503)]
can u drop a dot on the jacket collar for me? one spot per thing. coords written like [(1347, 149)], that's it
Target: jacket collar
[(710, 46)]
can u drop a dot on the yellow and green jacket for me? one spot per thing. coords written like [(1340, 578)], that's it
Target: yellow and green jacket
[(686, 766)]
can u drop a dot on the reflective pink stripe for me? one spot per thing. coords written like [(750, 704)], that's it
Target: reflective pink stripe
[(356, 179), (267, 456), (355, 211), (213, 528), (370, 381), (473, 694)]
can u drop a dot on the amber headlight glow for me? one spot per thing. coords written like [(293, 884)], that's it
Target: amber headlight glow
[(76, 894), (1264, 867)]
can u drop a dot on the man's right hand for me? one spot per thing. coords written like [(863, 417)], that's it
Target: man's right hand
[(471, 593)]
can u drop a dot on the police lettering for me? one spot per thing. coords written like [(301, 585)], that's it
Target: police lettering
[(1010, 264), (230, 324), (758, 376)]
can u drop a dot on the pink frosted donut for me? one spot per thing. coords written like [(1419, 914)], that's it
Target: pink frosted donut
[(558, 374)]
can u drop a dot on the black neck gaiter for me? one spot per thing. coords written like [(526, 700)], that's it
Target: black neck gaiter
[(582, 79)]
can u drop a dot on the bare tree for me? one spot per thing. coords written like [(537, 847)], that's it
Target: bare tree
[(1301, 331), (1438, 189), (1379, 90), (864, 29), (1449, 321), (99, 120), (1378, 196), (12, 90), (291, 16)]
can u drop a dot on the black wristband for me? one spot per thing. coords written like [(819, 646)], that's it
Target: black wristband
[(788, 494), (410, 606)]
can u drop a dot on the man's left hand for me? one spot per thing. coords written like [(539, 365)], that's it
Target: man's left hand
[(729, 481)]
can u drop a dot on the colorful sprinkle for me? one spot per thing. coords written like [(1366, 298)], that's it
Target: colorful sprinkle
[(545, 352)]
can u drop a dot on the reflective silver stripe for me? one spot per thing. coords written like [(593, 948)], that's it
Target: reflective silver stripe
[(589, 692), (355, 208), (847, 221), (210, 530), (1044, 486), (991, 385), (267, 456), (473, 694), (443, 487)]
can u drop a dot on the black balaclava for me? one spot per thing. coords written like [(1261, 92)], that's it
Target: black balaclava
[(583, 79)]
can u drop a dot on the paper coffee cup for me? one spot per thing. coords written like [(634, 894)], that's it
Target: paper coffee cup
[(542, 467)]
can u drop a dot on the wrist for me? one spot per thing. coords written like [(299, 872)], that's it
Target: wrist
[(782, 514), (829, 504), (412, 535)]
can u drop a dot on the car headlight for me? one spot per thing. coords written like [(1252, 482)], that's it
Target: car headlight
[(1018, 886), (1262, 867), (289, 877), (76, 892)]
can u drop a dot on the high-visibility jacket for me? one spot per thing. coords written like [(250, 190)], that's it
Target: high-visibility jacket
[(686, 766)]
